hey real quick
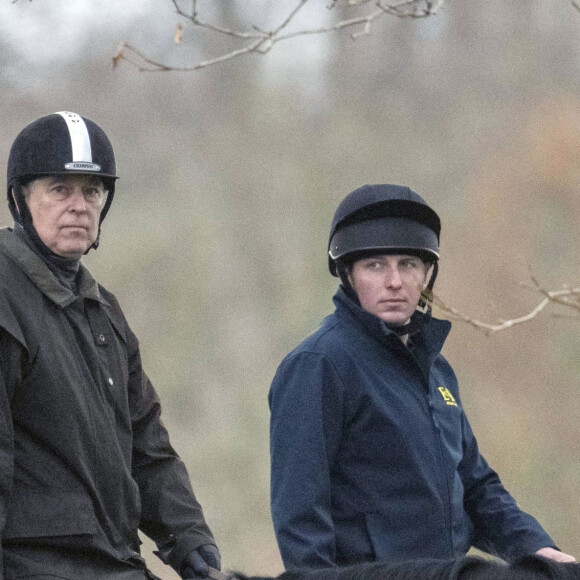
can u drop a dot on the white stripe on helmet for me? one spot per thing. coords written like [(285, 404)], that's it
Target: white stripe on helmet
[(79, 137)]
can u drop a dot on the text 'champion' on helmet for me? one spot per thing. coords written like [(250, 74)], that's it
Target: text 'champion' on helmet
[(383, 218)]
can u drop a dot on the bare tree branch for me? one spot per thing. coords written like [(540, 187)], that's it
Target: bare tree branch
[(485, 326), (412, 9), (567, 297), (262, 41), (576, 5)]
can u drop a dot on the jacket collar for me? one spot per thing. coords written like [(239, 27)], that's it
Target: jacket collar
[(348, 308), (34, 267)]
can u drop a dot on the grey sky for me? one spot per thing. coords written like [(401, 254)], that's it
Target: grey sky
[(44, 30)]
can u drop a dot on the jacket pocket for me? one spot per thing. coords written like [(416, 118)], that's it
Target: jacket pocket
[(381, 537), (34, 514), (353, 544), (407, 532), (402, 533)]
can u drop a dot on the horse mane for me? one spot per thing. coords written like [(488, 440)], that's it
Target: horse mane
[(549, 568), (466, 568)]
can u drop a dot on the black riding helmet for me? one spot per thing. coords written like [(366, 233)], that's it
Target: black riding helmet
[(385, 219), (58, 144)]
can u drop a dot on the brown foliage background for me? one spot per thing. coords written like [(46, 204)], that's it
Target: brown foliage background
[(216, 242)]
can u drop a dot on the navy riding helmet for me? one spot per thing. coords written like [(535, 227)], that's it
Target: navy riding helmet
[(384, 219)]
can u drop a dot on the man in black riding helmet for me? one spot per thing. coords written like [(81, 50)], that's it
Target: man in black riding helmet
[(85, 460), (372, 456)]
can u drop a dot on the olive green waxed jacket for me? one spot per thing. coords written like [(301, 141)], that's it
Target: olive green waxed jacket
[(85, 460)]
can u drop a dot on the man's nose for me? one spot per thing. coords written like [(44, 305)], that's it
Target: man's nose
[(393, 278), (77, 200)]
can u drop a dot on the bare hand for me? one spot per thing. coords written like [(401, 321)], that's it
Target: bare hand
[(555, 555)]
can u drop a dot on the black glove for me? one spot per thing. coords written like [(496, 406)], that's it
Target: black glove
[(196, 564)]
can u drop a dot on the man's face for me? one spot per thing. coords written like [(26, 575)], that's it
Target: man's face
[(389, 286), (65, 211)]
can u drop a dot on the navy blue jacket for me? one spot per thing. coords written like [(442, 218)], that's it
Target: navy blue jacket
[(372, 456)]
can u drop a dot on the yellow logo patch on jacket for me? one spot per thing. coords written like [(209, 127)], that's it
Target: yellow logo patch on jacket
[(447, 396)]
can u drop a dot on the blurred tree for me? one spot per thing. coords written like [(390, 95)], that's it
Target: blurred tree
[(253, 38)]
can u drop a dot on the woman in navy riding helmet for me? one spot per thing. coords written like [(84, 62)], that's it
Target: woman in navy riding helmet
[(372, 456)]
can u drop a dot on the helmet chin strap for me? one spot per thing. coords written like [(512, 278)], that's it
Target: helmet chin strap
[(342, 271), (95, 244), (426, 299), (413, 327), (22, 216)]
